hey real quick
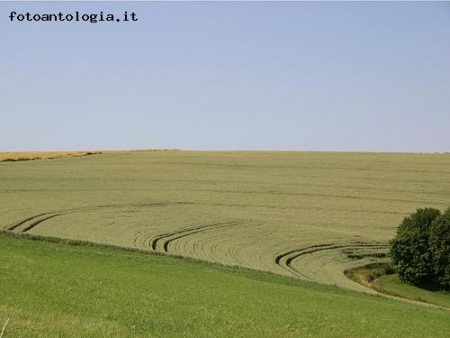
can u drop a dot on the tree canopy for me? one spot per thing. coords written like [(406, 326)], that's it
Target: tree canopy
[(420, 251)]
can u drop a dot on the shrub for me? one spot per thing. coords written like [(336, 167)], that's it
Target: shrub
[(389, 269)]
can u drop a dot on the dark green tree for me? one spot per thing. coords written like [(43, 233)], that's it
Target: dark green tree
[(410, 249), (440, 249)]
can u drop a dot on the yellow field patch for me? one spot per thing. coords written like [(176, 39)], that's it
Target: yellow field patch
[(37, 155)]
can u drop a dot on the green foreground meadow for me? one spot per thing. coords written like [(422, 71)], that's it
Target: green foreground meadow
[(59, 290)]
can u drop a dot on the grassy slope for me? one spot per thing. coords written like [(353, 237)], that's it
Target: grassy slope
[(376, 278), (56, 290), (273, 202), (391, 284)]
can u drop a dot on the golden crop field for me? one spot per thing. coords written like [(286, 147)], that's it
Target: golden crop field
[(38, 155), (309, 215)]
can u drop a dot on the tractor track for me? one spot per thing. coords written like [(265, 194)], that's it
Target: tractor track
[(285, 260), (170, 237), (15, 225), (32, 221)]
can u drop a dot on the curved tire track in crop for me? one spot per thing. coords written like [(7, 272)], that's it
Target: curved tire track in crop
[(163, 240), (29, 223), (326, 263), (221, 244), (17, 224)]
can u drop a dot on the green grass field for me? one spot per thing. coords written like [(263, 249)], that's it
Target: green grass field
[(391, 284), (375, 277), (58, 290), (308, 215)]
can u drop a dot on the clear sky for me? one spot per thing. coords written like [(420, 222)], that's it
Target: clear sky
[(333, 76)]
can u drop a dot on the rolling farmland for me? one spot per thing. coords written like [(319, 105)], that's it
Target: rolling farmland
[(299, 214), (58, 290)]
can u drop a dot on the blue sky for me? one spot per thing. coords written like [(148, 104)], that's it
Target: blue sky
[(333, 76)]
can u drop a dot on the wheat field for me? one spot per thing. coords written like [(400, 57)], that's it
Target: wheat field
[(39, 155), (309, 215)]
